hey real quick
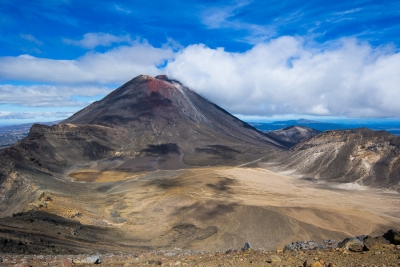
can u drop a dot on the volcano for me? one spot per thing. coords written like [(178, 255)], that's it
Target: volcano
[(160, 111), (166, 125), (147, 124)]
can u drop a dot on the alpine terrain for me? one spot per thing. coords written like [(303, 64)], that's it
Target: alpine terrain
[(154, 165)]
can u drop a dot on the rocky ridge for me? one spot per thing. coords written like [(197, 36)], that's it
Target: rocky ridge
[(360, 156)]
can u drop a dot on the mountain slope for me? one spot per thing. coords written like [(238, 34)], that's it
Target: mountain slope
[(147, 124), (359, 156), (293, 134), (166, 108), (161, 117)]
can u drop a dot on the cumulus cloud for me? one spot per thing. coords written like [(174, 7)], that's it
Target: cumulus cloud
[(288, 76), (117, 65), (92, 40), (48, 95)]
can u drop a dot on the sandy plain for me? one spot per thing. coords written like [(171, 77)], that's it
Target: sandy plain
[(220, 208)]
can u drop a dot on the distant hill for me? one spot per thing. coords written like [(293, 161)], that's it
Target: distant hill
[(292, 135), (391, 126), (277, 125), (12, 133)]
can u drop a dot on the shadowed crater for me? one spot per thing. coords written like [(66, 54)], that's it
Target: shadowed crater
[(162, 149)]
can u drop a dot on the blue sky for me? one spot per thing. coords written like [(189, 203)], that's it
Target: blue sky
[(257, 59)]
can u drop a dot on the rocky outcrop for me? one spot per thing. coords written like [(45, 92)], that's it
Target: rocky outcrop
[(360, 156), (353, 244)]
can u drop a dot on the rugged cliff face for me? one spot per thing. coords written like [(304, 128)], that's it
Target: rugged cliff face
[(359, 156)]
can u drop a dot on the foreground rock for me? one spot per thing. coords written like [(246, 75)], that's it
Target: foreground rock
[(354, 244), (95, 259), (393, 236), (382, 255), (309, 245), (302, 253)]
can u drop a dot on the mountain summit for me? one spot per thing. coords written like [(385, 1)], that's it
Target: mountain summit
[(159, 117), (168, 112)]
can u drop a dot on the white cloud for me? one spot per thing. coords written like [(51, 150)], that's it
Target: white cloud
[(48, 95), (117, 65), (93, 40), (287, 76), (31, 38), (224, 18), (217, 17), (122, 9), (7, 115)]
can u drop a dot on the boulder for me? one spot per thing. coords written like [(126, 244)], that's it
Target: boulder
[(370, 242), (247, 246), (355, 247), (302, 245), (330, 244), (353, 244), (393, 236), (95, 259)]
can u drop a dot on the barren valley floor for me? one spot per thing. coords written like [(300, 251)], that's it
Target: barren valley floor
[(201, 209)]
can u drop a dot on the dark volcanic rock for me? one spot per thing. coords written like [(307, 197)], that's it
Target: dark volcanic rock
[(161, 117), (310, 245), (370, 242), (168, 111), (354, 244), (393, 236), (247, 246)]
